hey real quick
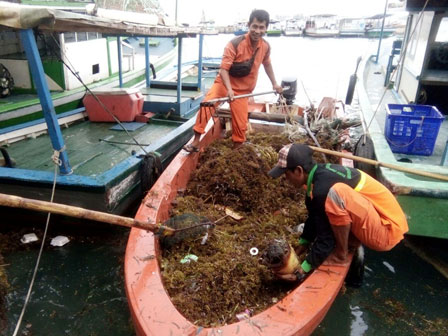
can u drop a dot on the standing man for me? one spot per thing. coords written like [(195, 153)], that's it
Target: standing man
[(346, 207), (238, 75)]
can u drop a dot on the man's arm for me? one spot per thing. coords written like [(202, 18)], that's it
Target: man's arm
[(226, 80), (270, 73)]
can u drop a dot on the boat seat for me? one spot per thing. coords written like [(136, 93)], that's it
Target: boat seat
[(396, 49)]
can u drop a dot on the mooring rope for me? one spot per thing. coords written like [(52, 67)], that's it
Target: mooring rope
[(57, 163)]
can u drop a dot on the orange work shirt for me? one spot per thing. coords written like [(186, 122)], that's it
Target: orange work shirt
[(244, 52)]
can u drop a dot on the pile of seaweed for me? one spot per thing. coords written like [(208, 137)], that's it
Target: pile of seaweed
[(226, 279)]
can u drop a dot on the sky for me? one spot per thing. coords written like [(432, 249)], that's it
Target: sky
[(230, 11)]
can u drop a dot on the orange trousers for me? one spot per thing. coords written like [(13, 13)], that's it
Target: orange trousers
[(238, 108), (345, 206)]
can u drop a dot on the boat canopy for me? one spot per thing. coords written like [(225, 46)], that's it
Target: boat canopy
[(19, 16)]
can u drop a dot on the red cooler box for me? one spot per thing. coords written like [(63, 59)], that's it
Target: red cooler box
[(125, 104)]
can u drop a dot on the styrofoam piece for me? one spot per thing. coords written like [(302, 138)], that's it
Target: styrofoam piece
[(59, 241), (29, 238)]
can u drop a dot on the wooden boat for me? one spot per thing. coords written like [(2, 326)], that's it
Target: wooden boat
[(101, 169), (153, 313), (100, 70), (418, 143)]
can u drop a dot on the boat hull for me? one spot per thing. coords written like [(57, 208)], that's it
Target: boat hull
[(152, 311)]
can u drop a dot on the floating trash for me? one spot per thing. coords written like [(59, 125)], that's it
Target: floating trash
[(244, 315), (188, 258), (389, 266), (29, 238), (59, 241)]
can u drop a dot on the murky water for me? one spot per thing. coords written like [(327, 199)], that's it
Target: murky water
[(79, 288)]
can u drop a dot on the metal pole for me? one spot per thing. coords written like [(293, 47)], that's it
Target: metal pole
[(175, 14), (147, 67), (120, 68), (37, 71), (179, 71), (381, 33), (201, 40)]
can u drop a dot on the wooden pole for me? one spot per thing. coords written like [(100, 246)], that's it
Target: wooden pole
[(380, 164), (77, 212)]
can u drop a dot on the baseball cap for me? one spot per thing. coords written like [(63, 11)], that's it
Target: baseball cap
[(291, 156)]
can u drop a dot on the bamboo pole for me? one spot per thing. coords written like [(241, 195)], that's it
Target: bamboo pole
[(77, 212), (380, 164)]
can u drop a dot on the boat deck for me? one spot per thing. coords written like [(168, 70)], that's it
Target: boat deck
[(89, 146)]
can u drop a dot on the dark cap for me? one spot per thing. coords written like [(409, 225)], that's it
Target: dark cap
[(291, 156)]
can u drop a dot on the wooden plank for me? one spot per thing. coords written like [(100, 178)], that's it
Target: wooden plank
[(37, 129)]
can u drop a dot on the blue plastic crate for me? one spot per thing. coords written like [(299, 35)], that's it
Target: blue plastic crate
[(412, 129)]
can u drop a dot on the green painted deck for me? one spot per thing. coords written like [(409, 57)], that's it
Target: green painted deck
[(88, 155)]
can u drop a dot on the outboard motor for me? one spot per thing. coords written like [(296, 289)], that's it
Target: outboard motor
[(290, 93)]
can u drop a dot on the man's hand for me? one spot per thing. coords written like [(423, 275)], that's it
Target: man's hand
[(277, 88), (292, 277), (230, 94)]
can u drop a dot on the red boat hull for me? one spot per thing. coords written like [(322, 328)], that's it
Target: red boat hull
[(153, 313)]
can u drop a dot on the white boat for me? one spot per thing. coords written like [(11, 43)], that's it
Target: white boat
[(322, 26)]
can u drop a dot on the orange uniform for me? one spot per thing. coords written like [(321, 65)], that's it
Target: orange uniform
[(240, 85), (339, 196)]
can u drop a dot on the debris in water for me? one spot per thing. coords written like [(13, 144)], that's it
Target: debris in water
[(389, 266), (59, 241), (29, 238)]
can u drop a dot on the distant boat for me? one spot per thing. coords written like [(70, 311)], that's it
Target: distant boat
[(293, 28), (374, 25), (240, 28), (405, 120), (322, 26), (377, 32), (352, 27), (274, 28)]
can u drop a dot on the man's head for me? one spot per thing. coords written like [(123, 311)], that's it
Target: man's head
[(261, 15), (294, 160), (258, 24)]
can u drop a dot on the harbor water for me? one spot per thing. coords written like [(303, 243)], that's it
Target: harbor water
[(79, 288)]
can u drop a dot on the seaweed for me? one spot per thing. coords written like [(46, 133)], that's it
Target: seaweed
[(227, 279)]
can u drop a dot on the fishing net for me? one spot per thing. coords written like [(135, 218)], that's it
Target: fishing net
[(188, 226)]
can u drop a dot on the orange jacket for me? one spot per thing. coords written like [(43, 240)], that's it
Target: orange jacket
[(244, 85)]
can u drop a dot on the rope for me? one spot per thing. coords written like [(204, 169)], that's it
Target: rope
[(30, 289), (55, 157)]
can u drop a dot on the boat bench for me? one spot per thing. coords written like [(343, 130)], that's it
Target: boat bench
[(17, 132)]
